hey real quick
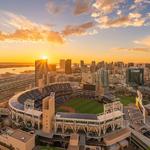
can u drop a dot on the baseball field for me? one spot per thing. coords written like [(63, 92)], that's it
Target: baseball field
[(81, 105)]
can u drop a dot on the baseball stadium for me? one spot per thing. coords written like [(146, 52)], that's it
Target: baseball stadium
[(59, 110)]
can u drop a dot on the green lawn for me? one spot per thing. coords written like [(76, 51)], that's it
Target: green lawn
[(82, 105), (125, 100)]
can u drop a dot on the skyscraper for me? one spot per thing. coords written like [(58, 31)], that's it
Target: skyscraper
[(102, 81), (93, 66), (68, 69), (135, 76), (62, 64), (41, 71), (82, 63), (52, 67)]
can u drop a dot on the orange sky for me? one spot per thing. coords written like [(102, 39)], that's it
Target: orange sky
[(78, 30)]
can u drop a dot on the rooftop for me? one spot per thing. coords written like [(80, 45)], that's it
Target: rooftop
[(117, 136), (76, 116), (17, 134), (101, 117)]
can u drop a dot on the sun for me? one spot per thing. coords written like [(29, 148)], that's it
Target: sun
[(44, 57)]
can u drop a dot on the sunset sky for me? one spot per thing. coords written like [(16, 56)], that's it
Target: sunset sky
[(110, 30)]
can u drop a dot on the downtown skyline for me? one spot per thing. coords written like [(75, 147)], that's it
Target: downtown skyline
[(80, 30)]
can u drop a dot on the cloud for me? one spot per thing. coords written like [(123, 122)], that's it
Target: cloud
[(26, 30), (134, 49), (118, 13), (23, 29), (107, 6), (139, 5), (144, 46), (2, 36), (25, 35), (77, 29), (138, 1), (82, 6), (54, 8), (142, 1), (21, 22), (124, 21), (95, 14), (93, 32), (145, 41), (55, 37), (32, 35), (133, 19)]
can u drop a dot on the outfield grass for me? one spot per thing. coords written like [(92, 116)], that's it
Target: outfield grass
[(82, 105), (126, 100)]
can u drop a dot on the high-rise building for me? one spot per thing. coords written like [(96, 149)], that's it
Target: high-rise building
[(62, 64), (93, 66), (147, 65), (135, 76), (100, 65), (41, 71), (52, 67), (119, 64), (68, 69), (82, 63), (102, 81), (131, 64)]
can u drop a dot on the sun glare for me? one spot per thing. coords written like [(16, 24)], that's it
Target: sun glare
[(44, 57)]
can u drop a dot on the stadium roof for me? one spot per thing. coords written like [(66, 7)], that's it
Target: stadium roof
[(76, 116), (110, 116)]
